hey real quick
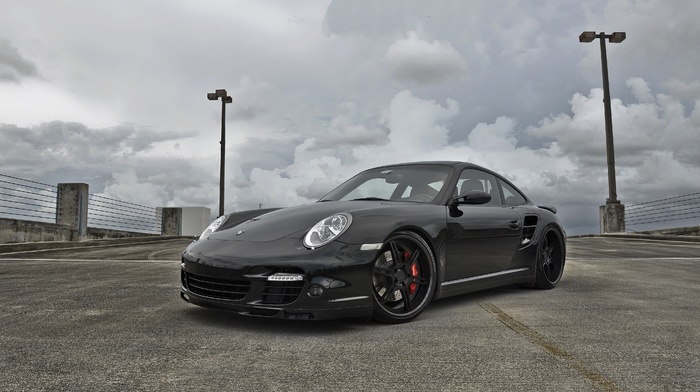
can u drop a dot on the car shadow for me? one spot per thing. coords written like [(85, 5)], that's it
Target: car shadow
[(224, 319), (227, 320)]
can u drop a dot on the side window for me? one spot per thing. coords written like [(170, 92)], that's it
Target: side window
[(511, 195), (476, 180)]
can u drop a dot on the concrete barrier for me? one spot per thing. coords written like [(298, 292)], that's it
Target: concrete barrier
[(71, 222), (15, 230)]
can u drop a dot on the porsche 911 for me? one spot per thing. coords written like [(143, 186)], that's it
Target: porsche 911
[(382, 245)]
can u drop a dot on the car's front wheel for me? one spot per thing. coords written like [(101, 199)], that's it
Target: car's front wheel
[(403, 279)]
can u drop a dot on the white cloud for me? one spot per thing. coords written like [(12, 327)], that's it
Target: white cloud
[(418, 124), (493, 137), (251, 99), (684, 91), (36, 101), (420, 61), (126, 185), (655, 141), (640, 89)]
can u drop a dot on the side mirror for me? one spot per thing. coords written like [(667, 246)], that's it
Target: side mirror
[(469, 197), (472, 197)]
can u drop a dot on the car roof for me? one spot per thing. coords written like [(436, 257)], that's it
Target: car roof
[(455, 164)]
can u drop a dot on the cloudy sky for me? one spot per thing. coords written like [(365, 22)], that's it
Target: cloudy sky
[(113, 94)]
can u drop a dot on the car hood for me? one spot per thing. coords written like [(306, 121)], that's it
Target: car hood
[(294, 221)]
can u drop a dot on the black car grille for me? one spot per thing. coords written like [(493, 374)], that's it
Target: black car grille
[(280, 293), (216, 288)]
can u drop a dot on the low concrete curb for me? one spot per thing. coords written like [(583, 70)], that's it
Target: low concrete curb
[(34, 246), (652, 237)]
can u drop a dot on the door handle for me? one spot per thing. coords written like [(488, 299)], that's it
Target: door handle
[(514, 224)]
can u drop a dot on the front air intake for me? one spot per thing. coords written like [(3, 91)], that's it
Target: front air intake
[(283, 287), (234, 290)]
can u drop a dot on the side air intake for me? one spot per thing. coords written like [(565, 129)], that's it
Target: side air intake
[(529, 226)]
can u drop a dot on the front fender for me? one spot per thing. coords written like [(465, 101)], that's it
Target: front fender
[(374, 226)]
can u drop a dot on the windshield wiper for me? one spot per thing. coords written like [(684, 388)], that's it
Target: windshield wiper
[(370, 198)]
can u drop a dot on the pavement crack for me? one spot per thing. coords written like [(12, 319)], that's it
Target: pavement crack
[(599, 380)]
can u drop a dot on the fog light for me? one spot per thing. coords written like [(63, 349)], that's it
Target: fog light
[(285, 277), (315, 291)]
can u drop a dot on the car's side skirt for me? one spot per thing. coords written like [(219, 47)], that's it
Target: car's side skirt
[(483, 282)]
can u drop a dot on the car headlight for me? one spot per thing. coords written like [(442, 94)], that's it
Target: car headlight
[(327, 230), (213, 226)]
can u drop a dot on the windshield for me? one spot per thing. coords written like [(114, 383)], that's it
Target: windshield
[(417, 183)]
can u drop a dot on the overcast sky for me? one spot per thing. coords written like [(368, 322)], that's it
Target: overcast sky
[(113, 94)]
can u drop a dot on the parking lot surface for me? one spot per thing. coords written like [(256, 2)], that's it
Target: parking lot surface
[(625, 317)]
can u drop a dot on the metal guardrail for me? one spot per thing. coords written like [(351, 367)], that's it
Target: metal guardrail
[(21, 199), (107, 213), (680, 210), (35, 201)]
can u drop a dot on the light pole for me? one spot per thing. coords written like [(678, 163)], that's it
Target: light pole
[(224, 100), (612, 214)]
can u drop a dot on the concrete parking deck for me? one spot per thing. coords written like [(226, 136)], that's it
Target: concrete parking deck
[(626, 316)]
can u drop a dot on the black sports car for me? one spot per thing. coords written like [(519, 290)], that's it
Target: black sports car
[(383, 244)]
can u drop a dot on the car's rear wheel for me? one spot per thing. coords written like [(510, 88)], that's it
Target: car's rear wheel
[(550, 259), (403, 279)]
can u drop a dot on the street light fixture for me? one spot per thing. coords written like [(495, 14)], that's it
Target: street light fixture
[(224, 100), (613, 213)]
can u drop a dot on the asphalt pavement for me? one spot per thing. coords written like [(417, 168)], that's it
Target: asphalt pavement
[(625, 317)]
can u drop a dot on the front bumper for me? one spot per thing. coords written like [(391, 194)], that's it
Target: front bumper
[(334, 281)]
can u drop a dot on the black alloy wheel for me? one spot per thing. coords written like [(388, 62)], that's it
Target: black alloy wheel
[(550, 259), (403, 279)]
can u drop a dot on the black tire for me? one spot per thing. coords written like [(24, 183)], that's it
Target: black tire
[(403, 278), (550, 259)]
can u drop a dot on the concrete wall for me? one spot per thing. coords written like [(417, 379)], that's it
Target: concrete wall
[(175, 222), (93, 233), (72, 221), (686, 231), (13, 231)]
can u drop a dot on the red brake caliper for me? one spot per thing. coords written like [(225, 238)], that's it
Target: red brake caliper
[(413, 286)]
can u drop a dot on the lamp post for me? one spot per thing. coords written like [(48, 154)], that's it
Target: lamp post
[(224, 100), (612, 214)]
